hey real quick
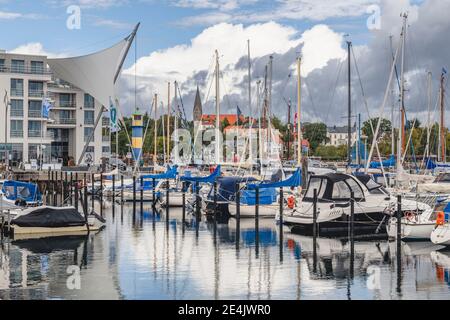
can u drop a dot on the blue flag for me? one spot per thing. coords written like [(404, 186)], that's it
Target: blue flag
[(46, 107)]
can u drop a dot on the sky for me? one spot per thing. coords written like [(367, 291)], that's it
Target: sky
[(178, 38)]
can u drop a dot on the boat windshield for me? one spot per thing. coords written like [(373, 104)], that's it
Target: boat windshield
[(316, 183), (445, 177)]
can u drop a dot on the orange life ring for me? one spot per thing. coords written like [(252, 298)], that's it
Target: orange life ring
[(291, 202), (410, 216), (440, 220)]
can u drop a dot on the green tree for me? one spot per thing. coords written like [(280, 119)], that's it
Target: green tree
[(315, 133), (385, 128)]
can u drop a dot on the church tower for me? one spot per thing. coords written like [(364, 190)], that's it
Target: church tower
[(198, 131)]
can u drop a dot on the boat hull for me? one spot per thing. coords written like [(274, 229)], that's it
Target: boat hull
[(441, 235), (410, 231), (248, 211)]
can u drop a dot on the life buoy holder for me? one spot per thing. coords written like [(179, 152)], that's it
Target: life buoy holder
[(291, 202)]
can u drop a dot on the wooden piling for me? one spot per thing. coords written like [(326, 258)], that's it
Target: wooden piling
[(142, 195), (76, 191), (183, 219), (215, 211), (281, 222), (92, 191), (167, 203), (257, 221), (134, 195), (352, 233), (113, 195), (238, 215)]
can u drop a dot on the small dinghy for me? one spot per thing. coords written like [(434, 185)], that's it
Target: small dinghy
[(414, 227), (54, 221)]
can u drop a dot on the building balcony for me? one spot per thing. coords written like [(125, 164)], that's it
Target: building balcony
[(63, 122), (67, 105), (106, 122), (17, 92), (86, 138), (35, 93), (34, 134), (17, 113), (25, 70), (16, 134), (89, 122), (35, 114), (106, 138)]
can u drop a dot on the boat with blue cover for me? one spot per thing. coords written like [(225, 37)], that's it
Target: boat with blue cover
[(21, 193)]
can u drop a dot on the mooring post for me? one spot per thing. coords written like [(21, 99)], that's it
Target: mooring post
[(183, 219), (134, 195), (215, 211), (281, 222), (197, 200), (101, 194), (66, 193), (238, 215), (62, 188), (86, 195), (71, 189), (154, 194), (142, 195), (352, 233), (53, 189), (92, 191), (48, 187), (121, 197), (315, 231), (257, 221), (167, 202), (76, 191), (399, 243), (113, 194)]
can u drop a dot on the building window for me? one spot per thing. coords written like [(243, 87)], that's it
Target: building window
[(33, 152), (35, 109), (18, 66), (66, 100), (2, 65), (16, 108), (87, 133), (37, 67), (88, 101), (89, 117), (90, 149), (35, 89), (17, 152), (16, 129), (17, 87), (34, 129), (105, 149)]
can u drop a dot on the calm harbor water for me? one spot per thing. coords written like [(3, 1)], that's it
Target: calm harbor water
[(143, 257)]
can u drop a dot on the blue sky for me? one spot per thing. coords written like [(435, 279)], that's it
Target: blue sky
[(44, 21)]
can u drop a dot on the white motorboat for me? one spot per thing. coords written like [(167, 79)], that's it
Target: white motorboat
[(53, 221), (372, 206), (413, 227), (441, 235)]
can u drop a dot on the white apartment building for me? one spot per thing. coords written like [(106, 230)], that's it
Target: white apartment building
[(27, 80), (338, 136)]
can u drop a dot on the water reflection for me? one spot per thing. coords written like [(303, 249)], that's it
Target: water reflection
[(142, 255)]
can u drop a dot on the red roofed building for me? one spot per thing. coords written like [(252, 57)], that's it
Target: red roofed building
[(232, 119)]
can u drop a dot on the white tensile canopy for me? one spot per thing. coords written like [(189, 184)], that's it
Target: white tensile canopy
[(96, 73)]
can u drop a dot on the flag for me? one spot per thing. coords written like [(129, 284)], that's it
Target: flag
[(46, 107), (113, 117), (239, 114)]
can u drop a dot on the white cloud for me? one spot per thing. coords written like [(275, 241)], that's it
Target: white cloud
[(225, 5), (182, 62), (5, 15), (35, 48), (100, 22), (88, 4), (282, 9)]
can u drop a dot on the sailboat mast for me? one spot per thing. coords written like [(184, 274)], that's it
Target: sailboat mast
[(393, 104), (155, 141), (442, 125), (175, 121), (349, 132), (250, 142), (299, 100), (258, 106), (402, 93), (168, 122), (427, 148), (217, 109)]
